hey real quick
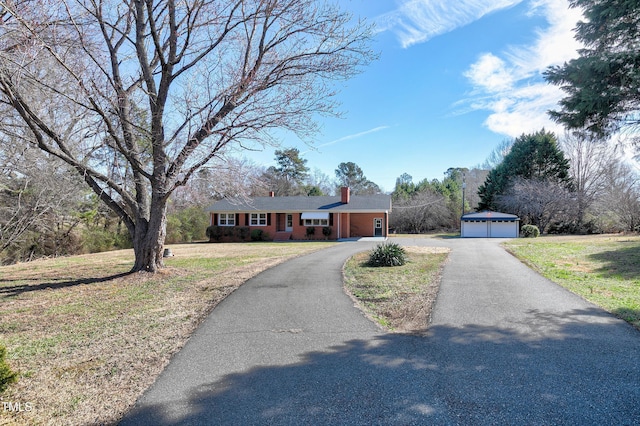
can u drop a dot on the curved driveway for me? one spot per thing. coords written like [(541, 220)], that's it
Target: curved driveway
[(505, 346)]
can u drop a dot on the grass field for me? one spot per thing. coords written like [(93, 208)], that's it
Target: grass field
[(399, 298), (87, 338), (603, 269)]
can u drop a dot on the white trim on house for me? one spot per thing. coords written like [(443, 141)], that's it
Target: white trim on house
[(226, 219), (258, 219)]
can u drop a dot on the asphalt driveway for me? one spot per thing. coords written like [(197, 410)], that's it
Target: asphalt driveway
[(505, 346)]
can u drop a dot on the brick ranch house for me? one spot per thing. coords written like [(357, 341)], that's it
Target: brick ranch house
[(301, 217)]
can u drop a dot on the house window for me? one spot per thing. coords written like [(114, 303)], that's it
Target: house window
[(258, 219), (316, 222), (227, 219)]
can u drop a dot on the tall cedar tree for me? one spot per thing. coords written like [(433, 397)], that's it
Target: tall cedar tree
[(603, 84), (532, 157)]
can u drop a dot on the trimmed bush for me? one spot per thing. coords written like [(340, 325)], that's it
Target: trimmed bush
[(234, 233), (311, 230), (530, 231), (7, 376), (259, 235), (387, 254), (326, 231)]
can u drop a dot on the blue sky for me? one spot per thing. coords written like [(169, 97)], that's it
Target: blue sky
[(454, 79)]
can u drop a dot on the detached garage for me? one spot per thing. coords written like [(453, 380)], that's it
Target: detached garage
[(489, 224)]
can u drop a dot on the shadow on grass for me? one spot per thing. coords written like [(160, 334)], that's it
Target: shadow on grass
[(584, 371), (630, 315), (623, 262), (14, 290)]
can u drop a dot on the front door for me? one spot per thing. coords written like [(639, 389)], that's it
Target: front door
[(289, 226), (377, 227)]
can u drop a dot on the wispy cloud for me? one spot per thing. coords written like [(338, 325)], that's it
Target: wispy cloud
[(509, 84), (353, 136), (417, 21)]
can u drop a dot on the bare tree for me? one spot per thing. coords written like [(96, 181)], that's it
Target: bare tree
[(497, 155), (36, 198), (590, 161), (538, 202), (153, 90), (619, 204), (473, 179), (424, 211)]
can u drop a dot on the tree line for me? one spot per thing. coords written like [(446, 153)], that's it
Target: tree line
[(139, 102), (47, 211), (575, 184)]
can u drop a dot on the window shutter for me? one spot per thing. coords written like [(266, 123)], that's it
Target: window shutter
[(215, 219), (301, 222), (246, 219), (268, 219), (330, 219), (237, 219)]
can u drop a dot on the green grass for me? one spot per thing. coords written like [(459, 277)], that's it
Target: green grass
[(604, 270), (398, 298)]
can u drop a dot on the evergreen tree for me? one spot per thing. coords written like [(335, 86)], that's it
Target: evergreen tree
[(603, 84), (351, 175), (532, 157)]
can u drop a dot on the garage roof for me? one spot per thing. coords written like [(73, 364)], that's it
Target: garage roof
[(490, 215)]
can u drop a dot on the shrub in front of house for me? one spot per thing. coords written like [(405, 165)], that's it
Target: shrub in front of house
[(530, 231), (229, 233), (311, 230), (326, 231), (7, 376), (387, 254), (259, 235)]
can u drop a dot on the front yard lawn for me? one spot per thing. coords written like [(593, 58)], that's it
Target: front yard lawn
[(603, 269), (87, 338)]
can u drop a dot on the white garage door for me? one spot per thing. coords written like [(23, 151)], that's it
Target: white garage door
[(504, 229), (476, 229)]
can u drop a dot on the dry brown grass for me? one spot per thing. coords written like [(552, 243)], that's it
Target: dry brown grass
[(87, 338), (399, 298)]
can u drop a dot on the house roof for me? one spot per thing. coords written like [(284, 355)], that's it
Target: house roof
[(357, 203), (489, 215)]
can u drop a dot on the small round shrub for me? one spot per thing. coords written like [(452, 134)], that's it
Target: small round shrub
[(257, 235), (311, 231), (7, 376), (530, 231), (387, 254)]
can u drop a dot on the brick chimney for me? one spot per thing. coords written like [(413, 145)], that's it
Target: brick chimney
[(345, 195)]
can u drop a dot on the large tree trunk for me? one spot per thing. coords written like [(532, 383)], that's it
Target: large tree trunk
[(148, 238)]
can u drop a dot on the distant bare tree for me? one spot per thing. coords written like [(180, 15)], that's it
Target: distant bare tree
[(37, 197), (590, 161), (137, 96), (496, 156), (619, 203), (538, 202), (424, 211), (473, 179)]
